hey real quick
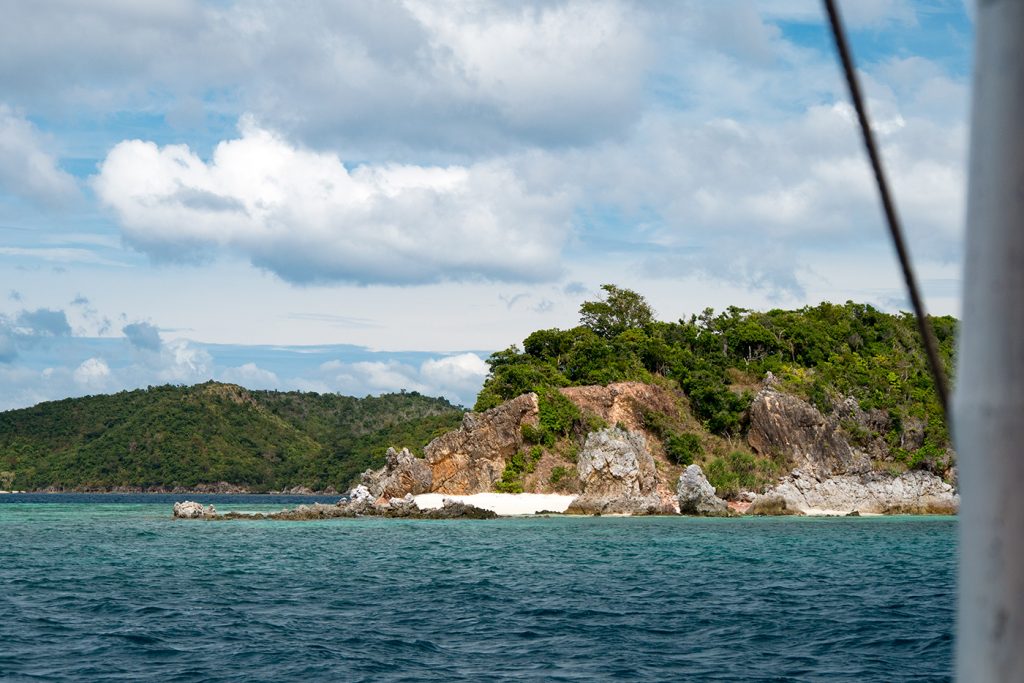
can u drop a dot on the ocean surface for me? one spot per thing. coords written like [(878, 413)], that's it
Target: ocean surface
[(111, 588)]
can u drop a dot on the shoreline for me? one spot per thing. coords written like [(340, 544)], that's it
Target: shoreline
[(502, 504), (509, 505)]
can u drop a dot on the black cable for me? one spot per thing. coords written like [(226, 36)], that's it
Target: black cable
[(927, 334)]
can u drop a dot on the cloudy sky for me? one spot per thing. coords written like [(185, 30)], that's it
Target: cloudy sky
[(368, 196)]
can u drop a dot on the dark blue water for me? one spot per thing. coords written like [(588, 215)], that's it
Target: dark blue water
[(99, 591)]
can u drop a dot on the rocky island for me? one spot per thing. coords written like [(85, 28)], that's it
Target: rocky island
[(823, 409), (626, 468)]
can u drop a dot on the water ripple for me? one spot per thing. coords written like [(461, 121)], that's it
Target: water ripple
[(98, 592)]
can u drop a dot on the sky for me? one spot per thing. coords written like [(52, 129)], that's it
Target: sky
[(369, 197)]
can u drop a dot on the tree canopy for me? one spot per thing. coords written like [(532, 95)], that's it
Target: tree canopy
[(185, 436), (620, 310)]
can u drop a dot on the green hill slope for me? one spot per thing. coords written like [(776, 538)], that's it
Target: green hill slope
[(187, 436)]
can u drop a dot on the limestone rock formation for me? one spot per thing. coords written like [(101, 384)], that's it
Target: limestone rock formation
[(189, 509), (403, 473), (782, 423), (472, 458), (618, 475), (915, 492), (771, 506), (697, 495)]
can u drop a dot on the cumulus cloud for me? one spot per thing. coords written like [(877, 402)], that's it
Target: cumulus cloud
[(458, 377), (27, 170), (250, 376), (93, 374), (306, 217), (183, 363), (143, 336), (480, 74)]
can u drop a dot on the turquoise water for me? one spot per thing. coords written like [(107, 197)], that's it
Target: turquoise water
[(98, 591)]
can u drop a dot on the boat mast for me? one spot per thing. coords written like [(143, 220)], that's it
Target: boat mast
[(988, 405)]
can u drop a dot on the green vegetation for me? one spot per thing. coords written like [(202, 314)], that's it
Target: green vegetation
[(740, 470), (185, 436), (516, 467), (682, 448), (820, 353), (558, 473)]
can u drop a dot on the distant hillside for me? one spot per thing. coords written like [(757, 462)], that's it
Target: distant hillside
[(189, 436)]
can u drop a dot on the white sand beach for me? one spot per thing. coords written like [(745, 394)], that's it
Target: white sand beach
[(504, 504), (822, 512)]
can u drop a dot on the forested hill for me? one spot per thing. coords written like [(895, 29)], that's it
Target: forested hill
[(189, 436), (825, 354)]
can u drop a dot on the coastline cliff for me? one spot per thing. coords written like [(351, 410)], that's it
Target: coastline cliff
[(616, 457)]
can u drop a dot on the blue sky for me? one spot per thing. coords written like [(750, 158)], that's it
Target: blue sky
[(367, 197)]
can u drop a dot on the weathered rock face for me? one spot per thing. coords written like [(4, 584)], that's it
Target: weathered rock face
[(781, 423), (618, 476), (914, 492), (403, 473), (470, 459), (620, 403), (771, 506), (189, 509), (697, 495)]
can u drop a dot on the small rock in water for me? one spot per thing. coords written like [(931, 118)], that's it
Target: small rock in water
[(190, 509)]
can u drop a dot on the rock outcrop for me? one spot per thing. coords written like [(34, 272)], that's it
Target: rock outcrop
[(189, 509), (402, 473), (622, 403), (784, 424), (403, 508), (472, 458), (697, 495), (618, 476), (771, 506), (915, 492)]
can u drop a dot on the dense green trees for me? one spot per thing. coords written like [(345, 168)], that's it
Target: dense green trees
[(620, 310), (184, 436), (819, 352)]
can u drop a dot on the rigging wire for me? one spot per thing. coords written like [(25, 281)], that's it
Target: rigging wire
[(893, 221)]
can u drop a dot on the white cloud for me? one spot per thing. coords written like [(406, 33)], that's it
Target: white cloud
[(306, 217), (27, 170), (250, 376), (384, 75), (183, 363), (463, 374), (458, 378), (93, 373)]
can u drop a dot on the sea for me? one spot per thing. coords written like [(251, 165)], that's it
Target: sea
[(112, 588)]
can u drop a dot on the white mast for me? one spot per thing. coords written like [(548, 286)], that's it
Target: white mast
[(989, 400)]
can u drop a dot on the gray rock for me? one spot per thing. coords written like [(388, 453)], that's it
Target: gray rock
[(190, 509), (914, 492), (697, 495), (784, 424), (403, 473), (618, 476), (771, 506)]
